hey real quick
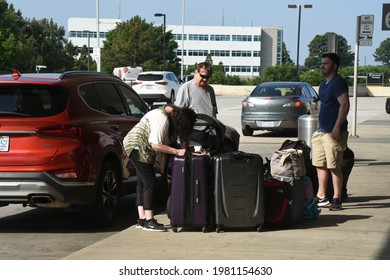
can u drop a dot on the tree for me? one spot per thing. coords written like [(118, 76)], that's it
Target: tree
[(219, 76), (319, 45), (284, 72), (382, 53), (82, 62), (26, 43), (286, 55), (138, 43), (51, 47), (312, 77), (13, 46)]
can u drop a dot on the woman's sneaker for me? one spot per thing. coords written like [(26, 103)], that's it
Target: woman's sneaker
[(153, 225), (335, 205), (140, 223), (322, 202)]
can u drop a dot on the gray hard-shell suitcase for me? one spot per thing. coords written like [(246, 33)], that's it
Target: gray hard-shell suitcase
[(239, 190)]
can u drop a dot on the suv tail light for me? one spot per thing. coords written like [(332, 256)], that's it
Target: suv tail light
[(161, 83), (136, 83), (60, 131)]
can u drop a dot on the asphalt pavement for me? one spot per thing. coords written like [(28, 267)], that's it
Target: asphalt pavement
[(361, 231)]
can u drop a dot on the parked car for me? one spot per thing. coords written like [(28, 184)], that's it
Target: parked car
[(61, 141), (157, 86), (277, 106), (185, 78)]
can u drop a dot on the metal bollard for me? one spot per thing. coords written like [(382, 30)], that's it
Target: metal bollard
[(307, 125)]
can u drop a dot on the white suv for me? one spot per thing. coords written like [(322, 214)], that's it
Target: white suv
[(157, 86)]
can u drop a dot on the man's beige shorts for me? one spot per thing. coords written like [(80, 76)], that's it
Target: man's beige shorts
[(327, 152)]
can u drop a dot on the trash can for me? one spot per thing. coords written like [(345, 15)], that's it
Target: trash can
[(307, 125)]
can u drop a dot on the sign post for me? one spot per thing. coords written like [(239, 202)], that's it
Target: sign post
[(364, 31)]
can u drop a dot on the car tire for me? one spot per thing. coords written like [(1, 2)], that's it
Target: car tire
[(247, 131), (102, 212)]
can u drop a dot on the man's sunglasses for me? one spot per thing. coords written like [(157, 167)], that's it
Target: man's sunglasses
[(206, 77)]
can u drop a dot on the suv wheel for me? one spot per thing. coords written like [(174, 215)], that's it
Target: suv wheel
[(103, 210)]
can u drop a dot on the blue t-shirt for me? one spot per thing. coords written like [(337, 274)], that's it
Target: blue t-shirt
[(329, 104)]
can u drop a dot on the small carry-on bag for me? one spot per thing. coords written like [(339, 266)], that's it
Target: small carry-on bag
[(388, 105), (239, 191), (284, 201), (189, 201), (277, 209)]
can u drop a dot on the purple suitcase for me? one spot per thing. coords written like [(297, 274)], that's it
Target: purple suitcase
[(189, 201)]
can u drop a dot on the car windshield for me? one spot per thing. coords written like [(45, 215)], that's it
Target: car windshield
[(31, 101), (150, 77), (271, 91)]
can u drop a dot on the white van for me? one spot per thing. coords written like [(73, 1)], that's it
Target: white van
[(127, 74)]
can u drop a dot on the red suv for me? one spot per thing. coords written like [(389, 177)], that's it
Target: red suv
[(61, 141)]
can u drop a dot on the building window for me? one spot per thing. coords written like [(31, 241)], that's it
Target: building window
[(279, 47), (241, 69), (241, 53), (242, 38), (217, 37), (177, 37), (219, 53), (84, 34), (257, 38), (197, 52), (256, 54), (198, 37), (256, 69), (178, 52)]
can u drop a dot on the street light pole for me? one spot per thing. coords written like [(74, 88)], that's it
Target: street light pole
[(299, 28), (98, 63), (182, 37), (162, 15)]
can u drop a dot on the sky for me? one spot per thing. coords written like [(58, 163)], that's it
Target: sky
[(338, 16)]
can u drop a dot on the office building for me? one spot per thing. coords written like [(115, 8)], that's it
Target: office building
[(244, 51)]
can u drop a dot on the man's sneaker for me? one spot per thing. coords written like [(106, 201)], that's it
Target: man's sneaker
[(321, 202), (140, 223), (335, 205), (152, 225)]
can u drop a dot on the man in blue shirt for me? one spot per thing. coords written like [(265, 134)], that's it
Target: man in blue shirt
[(330, 139)]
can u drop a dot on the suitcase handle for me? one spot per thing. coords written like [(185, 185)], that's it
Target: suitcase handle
[(239, 156), (196, 191)]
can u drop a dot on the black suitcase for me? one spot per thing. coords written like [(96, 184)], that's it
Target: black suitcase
[(239, 190), (388, 105), (189, 201)]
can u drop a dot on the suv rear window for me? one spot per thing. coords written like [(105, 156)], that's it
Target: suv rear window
[(32, 100), (150, 77)]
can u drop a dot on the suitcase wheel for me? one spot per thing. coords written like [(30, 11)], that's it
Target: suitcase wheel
[(259, 228), (218, 229), (204, 229), (174, 229)]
